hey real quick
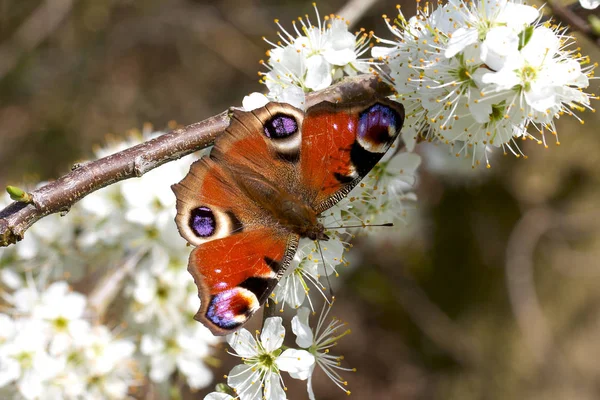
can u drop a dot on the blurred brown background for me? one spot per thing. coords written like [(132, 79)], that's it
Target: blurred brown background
[(491, 292)]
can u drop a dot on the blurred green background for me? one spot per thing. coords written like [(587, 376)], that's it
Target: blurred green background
[(492, 291)]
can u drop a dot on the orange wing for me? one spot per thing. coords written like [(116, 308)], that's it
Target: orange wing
[(236, 274), (264, 142), (342, 143), (242, 249)]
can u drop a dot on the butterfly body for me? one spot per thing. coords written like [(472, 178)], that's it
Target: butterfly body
[(268, 178), (289, 210)]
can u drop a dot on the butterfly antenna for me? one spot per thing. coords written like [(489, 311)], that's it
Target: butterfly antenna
[(359, 226), (325, 270)]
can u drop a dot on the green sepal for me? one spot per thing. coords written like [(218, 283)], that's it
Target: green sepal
[(525, 36), (224, 388)]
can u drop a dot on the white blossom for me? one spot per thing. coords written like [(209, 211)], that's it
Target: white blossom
[(260, 375), (318, 343), (313, 57), (25, 362), (48, 350), (477, 19), (183, 350), (589, 4), (161, 291), (59, 310), (107, 364), (308, 269), (384, 194), (477, 75)]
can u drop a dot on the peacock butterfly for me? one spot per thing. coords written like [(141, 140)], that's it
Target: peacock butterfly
[(266, 181)]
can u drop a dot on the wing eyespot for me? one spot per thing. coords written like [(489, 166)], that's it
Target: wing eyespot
[(280, 126), (231, 308), (283, 130), (205, 224), (377, 126), (202, 222)]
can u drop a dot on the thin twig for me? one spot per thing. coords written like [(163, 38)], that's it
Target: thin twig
[(60, 195), (40, 24), (354, 10), (520, 279), (569, 17), (269, 310), (108, 287), (438, 327)]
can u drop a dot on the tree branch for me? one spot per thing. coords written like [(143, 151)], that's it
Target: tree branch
[(60, 195)]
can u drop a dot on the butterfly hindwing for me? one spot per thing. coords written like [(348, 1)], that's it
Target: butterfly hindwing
[(236, 274)]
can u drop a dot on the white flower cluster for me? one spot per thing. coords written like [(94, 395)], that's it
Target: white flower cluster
[(49, 350), (477, 74), (264, 357), (164, 301), (127, 228), (314, 58)]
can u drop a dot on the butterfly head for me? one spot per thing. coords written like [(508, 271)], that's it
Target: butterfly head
[(316, 232)]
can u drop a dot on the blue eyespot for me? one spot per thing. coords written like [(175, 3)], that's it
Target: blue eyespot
[(203, 222), (280, 126), (228, 309), (377, 124)]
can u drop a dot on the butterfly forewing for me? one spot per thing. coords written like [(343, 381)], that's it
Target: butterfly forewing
[(265, 142), (342, 143)]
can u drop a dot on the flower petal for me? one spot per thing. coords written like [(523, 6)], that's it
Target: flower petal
[(197, 374), (460, 39), (245, 381), (273, 389), (589, 4), (298, 363), (254, 100), (300, 327), (272, 334), (243, 343), (500, 43), (318, 74)]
